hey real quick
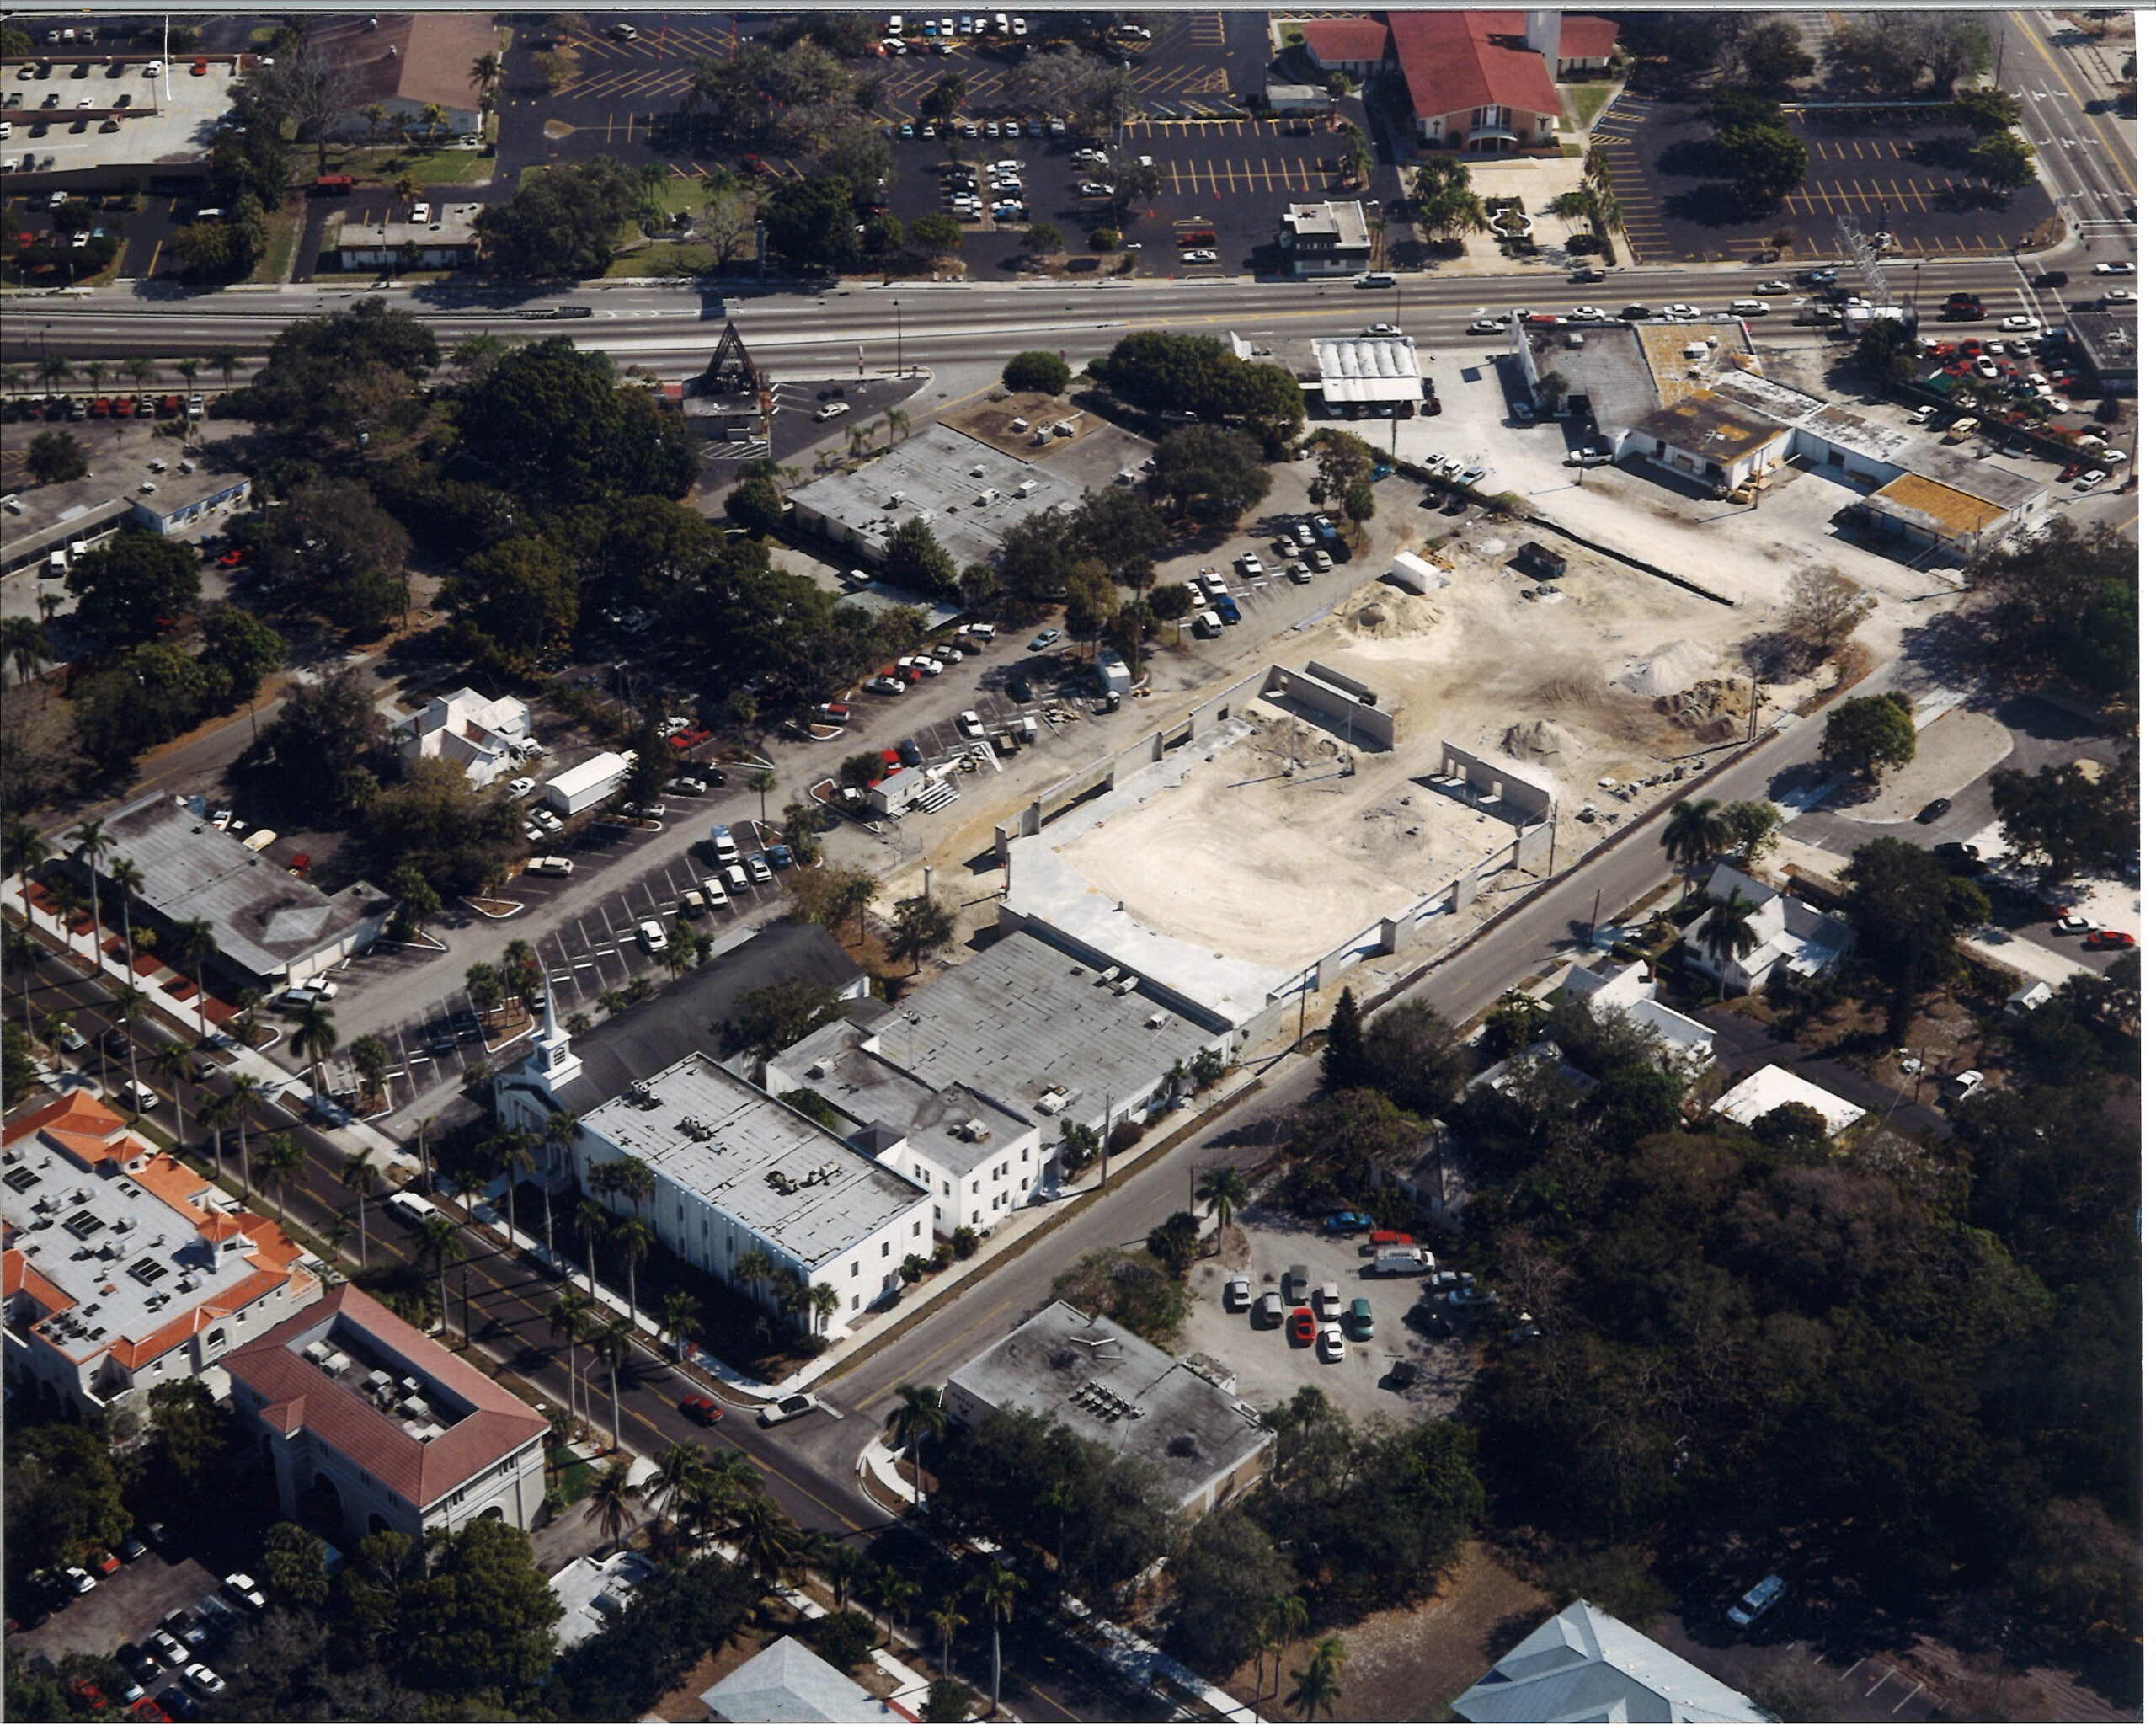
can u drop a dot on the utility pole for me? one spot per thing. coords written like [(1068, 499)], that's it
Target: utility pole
[(1107, 1106), (898, 311), (464, 1277), (1594, 918)]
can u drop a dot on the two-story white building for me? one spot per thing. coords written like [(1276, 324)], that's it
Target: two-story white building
[(977, 1160), (486, 737), (369, 1426), (123, 1268)]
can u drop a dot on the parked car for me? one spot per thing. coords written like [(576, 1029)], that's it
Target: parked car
[(1324, 1300), (242, 1588), (1360, 1323), (1932, 810), (1236, 1296), (1269, 1312), (702, 1409), (1331, 1349), (2110, 940), (794, 1407), (1044, 640), (1302, 1326), (1348, 1221), (1755, 1605)]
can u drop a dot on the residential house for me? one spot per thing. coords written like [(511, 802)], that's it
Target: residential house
[(1584, 1663), (1770, 1087), (1684, 1045), (789, 1681), (1789, 936), (486, 737)]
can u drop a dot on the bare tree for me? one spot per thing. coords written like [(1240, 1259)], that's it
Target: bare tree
[(1825, 607)]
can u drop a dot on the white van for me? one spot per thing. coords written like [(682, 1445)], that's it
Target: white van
[(737, 878), (410, 1208), (550, 865), (1206, 625)]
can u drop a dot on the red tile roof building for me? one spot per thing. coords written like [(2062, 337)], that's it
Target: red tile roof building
[(368, 1424), (1483, 82), (123, 1268)]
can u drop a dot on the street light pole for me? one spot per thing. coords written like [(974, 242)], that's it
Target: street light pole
[(899, 313)]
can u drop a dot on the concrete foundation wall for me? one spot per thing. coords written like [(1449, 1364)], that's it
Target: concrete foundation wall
[(1330, 697), (1504, 784)]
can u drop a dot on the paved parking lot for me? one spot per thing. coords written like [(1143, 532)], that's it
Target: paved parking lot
[(1880, 167), (1269, 1371), (124, 1607)]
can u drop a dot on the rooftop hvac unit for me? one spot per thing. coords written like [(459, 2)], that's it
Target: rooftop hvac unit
[(1156, 1021), (973, 1131), (1127, 984), (978, 471), (1053, 1101)]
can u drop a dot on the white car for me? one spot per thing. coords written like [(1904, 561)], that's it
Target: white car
[(1755, 1605), (651, 936), (1485, 326), (1585, 314), (2019, 321), (1747, 308), (884, 685), (2112, 269), (1212, 257), (1772, 287), (1924, 416), (970, 727), (1236, 1296), (832, 409), (1332, 1348), (1680, 310), (760, 871), (1392, 330), (521, 787), (2121, 296), (1094, 189), (786, 1407)]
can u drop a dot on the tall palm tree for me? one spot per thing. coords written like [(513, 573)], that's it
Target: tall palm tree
[(128, 1006), (634, 1241), (1224, 1191), (947, 1621), (680, 1468), (140, 369), (513, 1159), (357, 1176), (194, 944), (845, 1566), (999, 1590), (188, 368), (486, 73), (768, 1543), (315, 1037), (592, 1220), (1062, 1497), (172, 1062), (91, 842), (280, 1161), (678, 1314), (440, 1240), (226, 360), (634, 1180), (421, 1127), (435, 117), (1317, 1686), (1286, 1616), (127, 881), (920, 1414), (1696, 833), (24, 850), (467, 1183), (752, 1269), (23, 645), (613, 1500), (895, 1593), (246, 1093), (1727, 932), (220, 1112), (612, 1345), (376, 115), (559, 1132), (93, 371), (823, 1301), (20, 955), (898, 422), (763, 782), (568, 1317)]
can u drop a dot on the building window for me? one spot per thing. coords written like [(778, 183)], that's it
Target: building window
[(887, 1248), (856, 1302), (916, 1226), (976, 1189), (946, 1188)]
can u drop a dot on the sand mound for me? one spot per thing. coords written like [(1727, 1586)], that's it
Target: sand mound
[(1526, 742), (1668, 670), (1388, 614)]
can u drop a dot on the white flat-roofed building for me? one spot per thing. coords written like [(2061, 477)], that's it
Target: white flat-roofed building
[(485, 738), (1118, 1389), (977, 1160), (1771, 1088), (1332, 238), (1379, 371), (737, 1170), (123, 1268), (183, 502), (366, 1422)]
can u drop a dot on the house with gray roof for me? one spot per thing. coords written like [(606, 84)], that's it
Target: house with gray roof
[(1789, 936), (1584, 1664), (788, 1684), (1116, 1389)]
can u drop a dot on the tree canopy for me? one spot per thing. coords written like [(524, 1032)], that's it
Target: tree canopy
[(561, 222)]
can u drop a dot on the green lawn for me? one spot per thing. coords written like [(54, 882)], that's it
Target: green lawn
[(1586, 100), (285, 228), (574, 1477), (450, 167), (666, 257)]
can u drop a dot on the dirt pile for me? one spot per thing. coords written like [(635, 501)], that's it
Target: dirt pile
[(1384, 613), (1668, 670), (1538, 741)]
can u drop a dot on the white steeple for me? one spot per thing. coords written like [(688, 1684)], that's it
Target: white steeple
[(552, 1060)]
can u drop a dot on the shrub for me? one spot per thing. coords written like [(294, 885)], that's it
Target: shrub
[(941, 1257), (1127, 1133), (1037, 370), (964, 1243)]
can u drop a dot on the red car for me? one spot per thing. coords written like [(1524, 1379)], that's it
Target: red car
[(701, 1409), (123, 407), (101, 409), (231, 559), (105, 1562), (168, 406), (1302, 1327), (200, 68), (2109, 939), (1390, 1236), (686, 740)]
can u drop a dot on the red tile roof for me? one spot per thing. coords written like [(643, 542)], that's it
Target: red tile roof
[(1455, 61), (1581, 35), (18, 1275), (1335, 39), (296, 1394)]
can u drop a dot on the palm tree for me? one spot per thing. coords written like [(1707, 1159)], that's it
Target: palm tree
[(678, 1314), (358, 1176), (1727, 932), (823, 1301), (999, 1590), (592, 1220), (226, 360), (1695, 833), (763, 784), (140, 369), (1062, 1497), (127, 880), (467, 1182), (440, 1239), (895, 1591), (568, 1317), (613, 1345), (613, 1500), (752, 1269), (23, 646), (679, 1469), (172, 1062), (768, 1543), (1286, 1617), (486, 73), (128, 1006), (94, 370), (559, 1132), (20, 954), (421, 1127), (217, 1114), (54, 369), (947, 1621), (1224, 1191), (512, 1157), (435, 117), (315, 1037), (68, 905), (377, 118), (194, 944), (188, 370), (898, 422), (920, 1414), (91, 842), (634, 1241), (1317, 1685), (23, 851), (843, 1567), (280, 1161), (634, 1180)]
